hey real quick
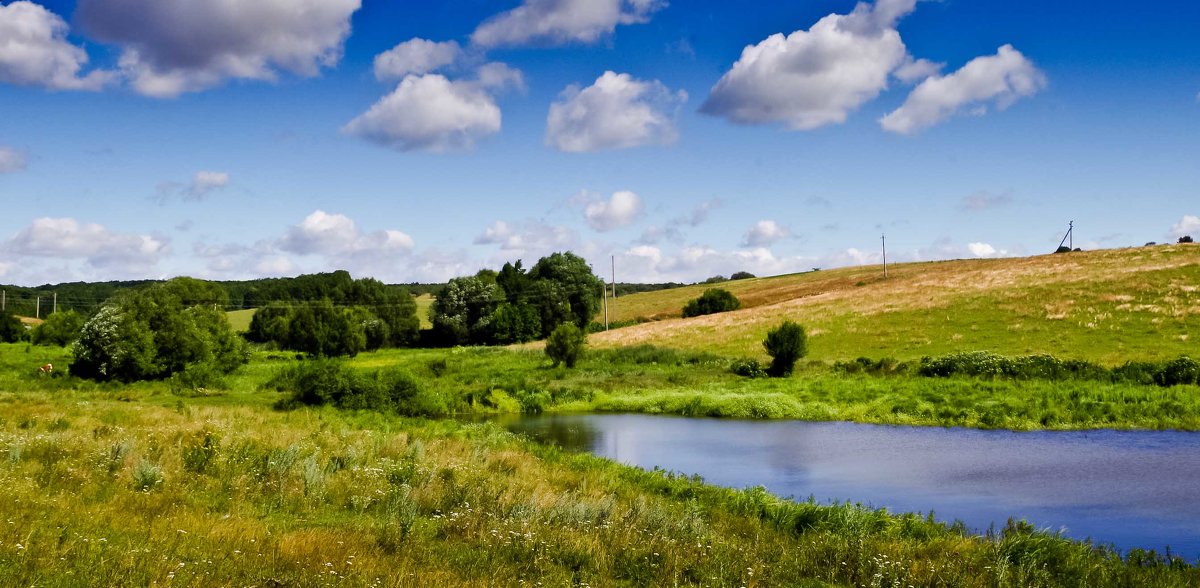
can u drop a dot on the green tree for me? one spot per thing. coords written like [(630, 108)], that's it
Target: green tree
[(462, 311), (60, 328), (515, 323), (786, 344), (565, 344), (712, 301), (158, 331), (577, 287), (11, 329)]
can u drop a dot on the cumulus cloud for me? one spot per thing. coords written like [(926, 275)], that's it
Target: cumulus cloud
[(813, 78), (999, 79), (764, 233), (170, 47), (415, 56), (1188, 225), (431, 112), (34, 51), (531, 237), (556, 22), (914, 70), (12, 160), (985, 201), (617, 111), (981, 249), (68, 239), (321, 233), (618, 211)]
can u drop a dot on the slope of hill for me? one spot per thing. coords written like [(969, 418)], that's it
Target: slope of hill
[(1108, 306)]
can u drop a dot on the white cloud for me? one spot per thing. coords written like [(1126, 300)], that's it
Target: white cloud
[(415, 56), (429, 112), (433, 113), (813, 78), (981, 249), (651, 264), (1188, 225), (917, 69), (562, 21), (68, 239), (34, 51), (615, 112), (201, 185), (530, 238), (1001, 79), (170, 47), (764, 233), (698, 215), (205, 182), (12, 160), (321, 233), (616, 212)]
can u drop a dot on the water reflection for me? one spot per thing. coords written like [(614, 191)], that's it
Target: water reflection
[(1126, 488)]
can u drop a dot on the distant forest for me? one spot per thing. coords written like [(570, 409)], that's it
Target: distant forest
[(86, 297)]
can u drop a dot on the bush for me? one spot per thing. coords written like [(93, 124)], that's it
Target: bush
[(742, 276), (786, 344), (566, 344), (60, 328), (1183, 370), (11, 329), (713, 300), (1185, 239), (319, 382), (747, 368)]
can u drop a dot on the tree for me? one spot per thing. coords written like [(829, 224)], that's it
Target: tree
[(11, 329), (566, 344), (60, 328), (712, 301), (1185, 239), (741, 276), (577, 287), (786, 344), (156, 332), (462, 311)]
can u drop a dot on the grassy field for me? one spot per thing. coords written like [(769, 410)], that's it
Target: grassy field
[(109, 485), (240, 319), (424, 301), (1106, 306)]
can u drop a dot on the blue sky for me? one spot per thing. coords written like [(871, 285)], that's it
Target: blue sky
[(418, 141)]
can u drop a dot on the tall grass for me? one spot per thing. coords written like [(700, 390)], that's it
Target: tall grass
[(140, 494)]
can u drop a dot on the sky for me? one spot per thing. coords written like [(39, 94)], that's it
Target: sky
[(418, 141)]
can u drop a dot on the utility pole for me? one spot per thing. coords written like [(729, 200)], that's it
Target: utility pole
[(604, 294), (55, 303), (883, 238), (614, 276), (1069, 236), (38, 313)]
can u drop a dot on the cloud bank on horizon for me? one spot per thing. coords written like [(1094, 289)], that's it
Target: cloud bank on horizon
[(517, 109)]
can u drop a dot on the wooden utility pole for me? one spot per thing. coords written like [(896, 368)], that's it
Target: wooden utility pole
[(38, 313), (883, 238), (1069, 236), (55, 303)]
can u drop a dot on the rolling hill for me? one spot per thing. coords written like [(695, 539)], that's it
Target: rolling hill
[(1108, 306)]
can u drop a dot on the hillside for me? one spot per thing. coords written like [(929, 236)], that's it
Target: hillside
[(1109, 306)]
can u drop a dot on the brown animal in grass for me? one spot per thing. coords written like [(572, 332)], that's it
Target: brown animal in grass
[(46, 369)]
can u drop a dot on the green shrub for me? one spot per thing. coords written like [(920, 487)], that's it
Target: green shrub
[(741, 276), (747, 368), (1179, 371), (11, 329), (712, 301), (566, 344), (60, 328), (786, 344)]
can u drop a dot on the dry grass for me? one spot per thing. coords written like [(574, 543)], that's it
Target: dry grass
[(1042, 303)]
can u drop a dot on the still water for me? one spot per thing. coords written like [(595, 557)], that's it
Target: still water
[(1121, 488)]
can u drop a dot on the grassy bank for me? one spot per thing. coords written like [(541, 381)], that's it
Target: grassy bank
[(102, 491)]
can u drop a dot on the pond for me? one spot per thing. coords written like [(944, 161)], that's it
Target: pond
[(1122, 488)]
